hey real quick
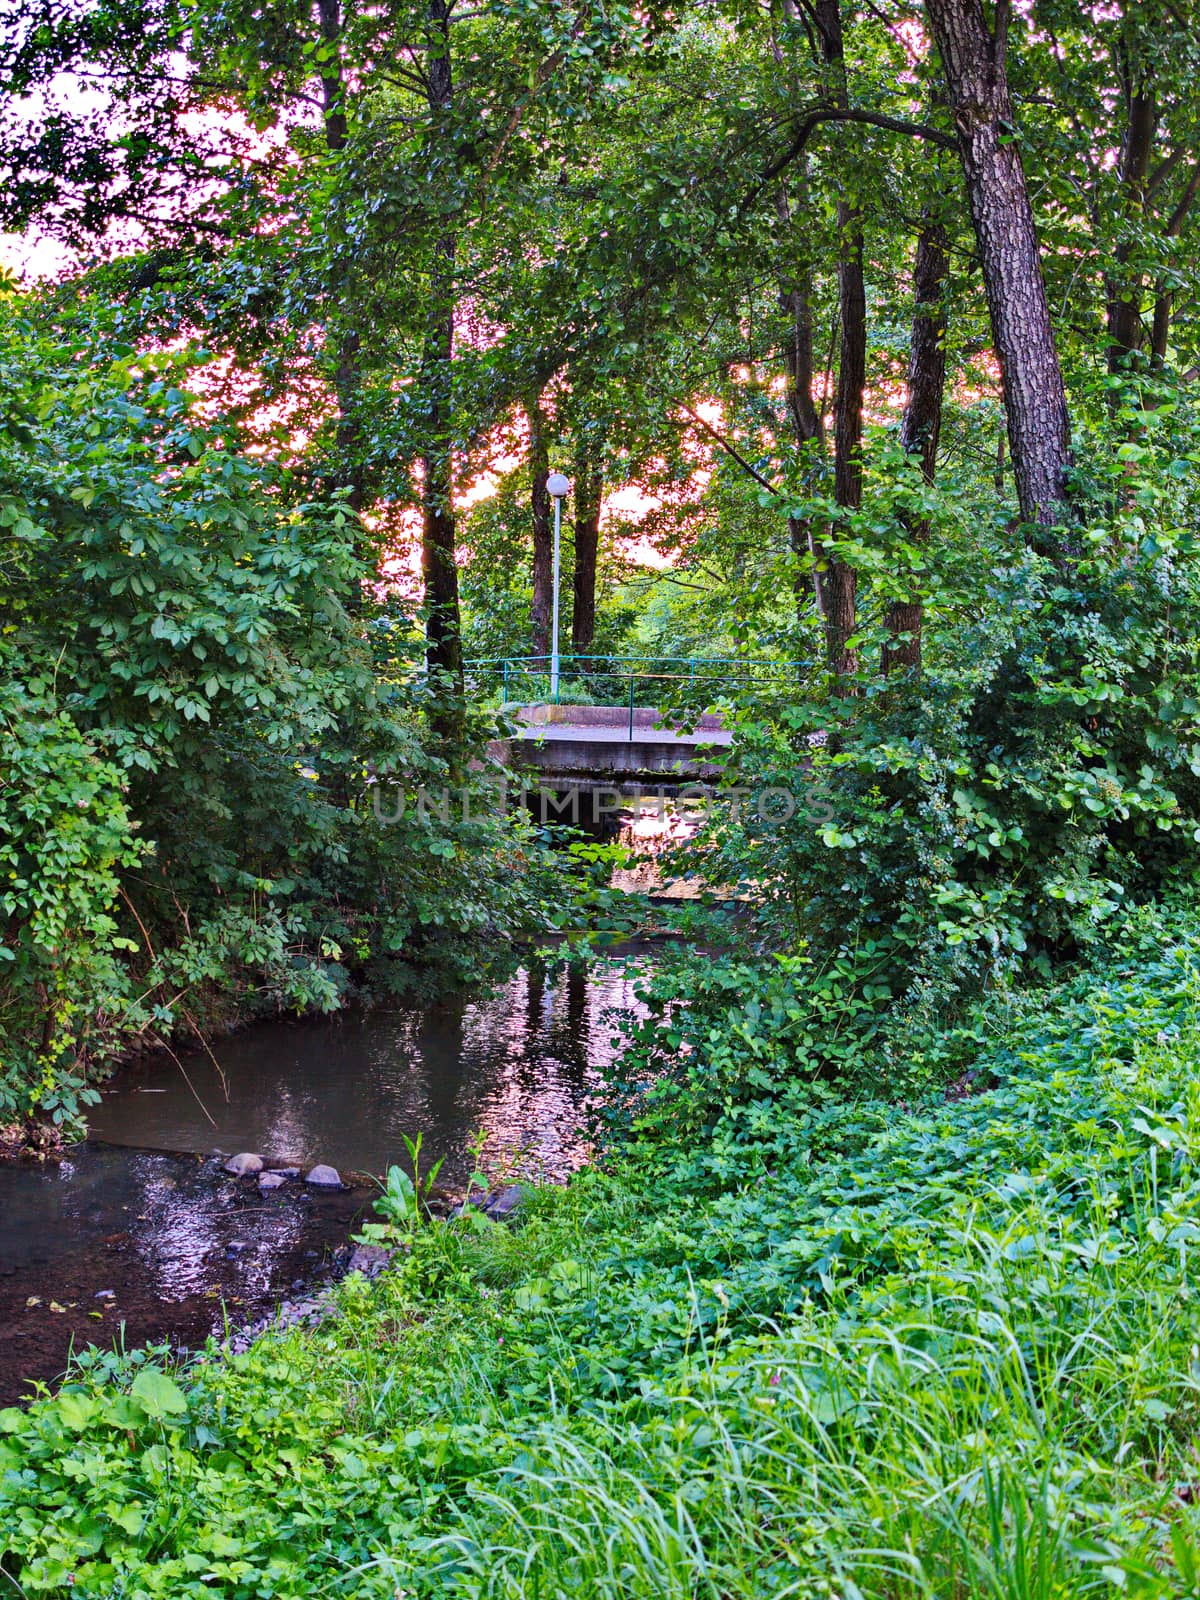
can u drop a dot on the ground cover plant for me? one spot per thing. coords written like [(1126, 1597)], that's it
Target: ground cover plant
[(834, 1346)]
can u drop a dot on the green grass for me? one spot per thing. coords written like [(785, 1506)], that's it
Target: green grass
[(827, 1348)]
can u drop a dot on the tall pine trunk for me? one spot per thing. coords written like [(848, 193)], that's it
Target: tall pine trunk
[(973, 61), (542, 607), (439, 569), (921, 426)]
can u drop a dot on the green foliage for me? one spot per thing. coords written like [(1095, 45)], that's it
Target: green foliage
[(200, 710), (834, 1347), (404, 1198), (920, 837), (65, 832)]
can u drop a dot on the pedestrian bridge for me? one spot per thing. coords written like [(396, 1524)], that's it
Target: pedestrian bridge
[(585, 745), (591, 725)]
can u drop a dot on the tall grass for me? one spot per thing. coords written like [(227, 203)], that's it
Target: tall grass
[(995, 1427)]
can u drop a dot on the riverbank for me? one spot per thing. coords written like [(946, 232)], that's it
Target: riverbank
[(135, 1238), (806, 1345)]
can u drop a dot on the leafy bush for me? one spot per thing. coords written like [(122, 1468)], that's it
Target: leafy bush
[(205, 693), (65, 832), (989, 816)]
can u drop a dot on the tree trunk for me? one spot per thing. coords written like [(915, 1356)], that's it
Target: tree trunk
[(795, 298), (973, 60), (543, 532), (351, 469), (922, 422), (836, 582), (1160, 333), (1163, 297), (1124, 287), (443, 652), (589, 491)]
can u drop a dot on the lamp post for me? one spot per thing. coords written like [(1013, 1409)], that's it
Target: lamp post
[(557, 487)]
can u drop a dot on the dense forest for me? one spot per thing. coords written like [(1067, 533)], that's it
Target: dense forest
[(868, 337)]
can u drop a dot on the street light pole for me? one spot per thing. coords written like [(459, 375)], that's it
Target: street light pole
[(558, 487)]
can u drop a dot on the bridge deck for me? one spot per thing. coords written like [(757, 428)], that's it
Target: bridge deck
[(565, 743), (566, 732)]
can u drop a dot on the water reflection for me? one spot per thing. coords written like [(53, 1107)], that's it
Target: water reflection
[(519, 1064), (133, 1245)]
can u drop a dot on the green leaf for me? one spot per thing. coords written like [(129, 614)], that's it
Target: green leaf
[(159, 1395)]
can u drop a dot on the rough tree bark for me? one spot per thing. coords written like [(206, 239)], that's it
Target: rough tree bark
[(589, 491), (439, 570), (835, 580), (543, 530), (921, 425), (973, 62)]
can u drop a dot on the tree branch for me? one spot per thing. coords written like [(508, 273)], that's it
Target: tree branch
[(812, 120), (1176, 220), (545, 71), (727, 447)]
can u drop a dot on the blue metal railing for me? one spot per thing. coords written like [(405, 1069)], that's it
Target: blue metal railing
[(690, 682)]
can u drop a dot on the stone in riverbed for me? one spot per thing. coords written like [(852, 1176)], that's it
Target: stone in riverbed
[(324, 1177), (245, 1165), (505, 1203), (271, 1180), (369, 1259)]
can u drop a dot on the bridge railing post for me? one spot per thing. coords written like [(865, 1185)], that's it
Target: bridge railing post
[(632, 682)]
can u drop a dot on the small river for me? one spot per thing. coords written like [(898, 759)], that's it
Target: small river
[(139, 1236), (519, 1066)]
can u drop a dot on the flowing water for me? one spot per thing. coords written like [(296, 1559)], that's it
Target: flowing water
[(138, 1235), (111, 1246)]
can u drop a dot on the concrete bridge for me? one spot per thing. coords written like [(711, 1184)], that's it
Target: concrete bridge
[(602, 746)]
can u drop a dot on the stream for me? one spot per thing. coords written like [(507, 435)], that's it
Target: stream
[(139, 1236)]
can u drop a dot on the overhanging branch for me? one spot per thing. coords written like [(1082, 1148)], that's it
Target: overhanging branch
[(725, 444), (812, 120)]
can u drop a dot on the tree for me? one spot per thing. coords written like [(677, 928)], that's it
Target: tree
[(589, 494), (920, 429), (973, 61)]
